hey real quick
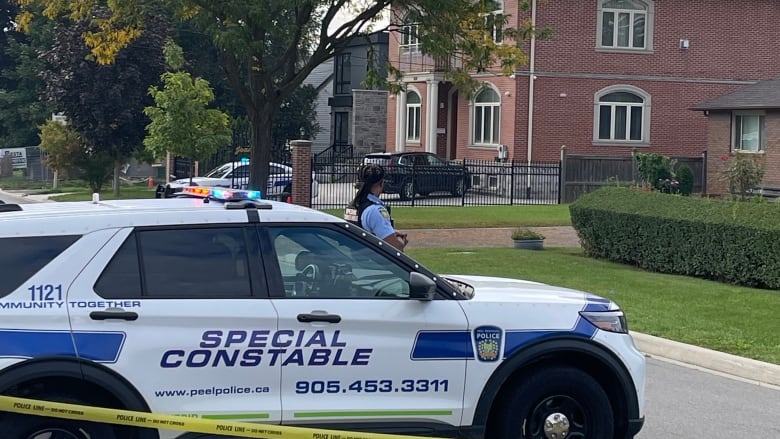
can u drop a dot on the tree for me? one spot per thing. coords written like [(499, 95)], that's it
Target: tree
[(296, 118), (105, 103), (61, 145), (21, 107), (267, 48), (181, 122)]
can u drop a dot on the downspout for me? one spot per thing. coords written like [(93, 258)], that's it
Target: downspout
[(531, 78)]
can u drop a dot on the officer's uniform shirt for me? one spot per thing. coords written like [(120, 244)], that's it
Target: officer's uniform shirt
[(376, 218)]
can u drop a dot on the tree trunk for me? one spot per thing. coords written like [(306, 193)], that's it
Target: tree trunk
[(117, 167), (262, 144), (55, 180)]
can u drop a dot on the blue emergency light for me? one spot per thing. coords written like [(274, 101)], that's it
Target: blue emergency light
[(221, 194)]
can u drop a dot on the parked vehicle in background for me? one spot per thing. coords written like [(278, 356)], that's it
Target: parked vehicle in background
[(410, 173), (235, 175)]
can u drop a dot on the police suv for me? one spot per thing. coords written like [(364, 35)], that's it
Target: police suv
[(222, 306)]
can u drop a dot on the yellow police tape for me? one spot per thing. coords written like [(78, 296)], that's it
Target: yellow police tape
[(180, 423)]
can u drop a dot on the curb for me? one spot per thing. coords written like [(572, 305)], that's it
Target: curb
[(746, 368)]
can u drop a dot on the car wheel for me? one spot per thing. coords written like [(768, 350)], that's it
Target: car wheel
[(40, 427), (558, 402), (408, 191), (459, 189)]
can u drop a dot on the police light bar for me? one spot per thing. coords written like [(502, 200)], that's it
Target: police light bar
[(221, 193)]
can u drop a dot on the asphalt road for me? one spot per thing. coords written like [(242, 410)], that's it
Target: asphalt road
[(687, 403)]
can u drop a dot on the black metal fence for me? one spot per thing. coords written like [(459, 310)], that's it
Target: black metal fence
[(484, 183)]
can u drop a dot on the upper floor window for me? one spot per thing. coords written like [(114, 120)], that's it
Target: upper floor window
[(413, 116), (494, 20), (622, 114), (487, 117), (625, 24), (747, 131), (343, 81), (410, 40)]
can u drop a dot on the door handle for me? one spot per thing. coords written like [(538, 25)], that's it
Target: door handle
[(309, 318), (111, 315)]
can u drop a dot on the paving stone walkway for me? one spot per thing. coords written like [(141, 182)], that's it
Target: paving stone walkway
[(491, 237)]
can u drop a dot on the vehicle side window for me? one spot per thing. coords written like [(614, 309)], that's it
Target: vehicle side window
[(406, 160), (277, 170), (241, 171), (420, 160), (208, 262), (435, 161), (21, 258), (322, 262)]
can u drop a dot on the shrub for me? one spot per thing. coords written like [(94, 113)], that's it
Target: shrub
[(526, 234), (715, 239), (744, 173), (685, 177), (655, 170)]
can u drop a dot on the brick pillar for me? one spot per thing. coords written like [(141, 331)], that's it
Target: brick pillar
[(301, 164)]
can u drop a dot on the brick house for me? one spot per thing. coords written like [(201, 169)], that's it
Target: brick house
[(616, 75), (746, 121)]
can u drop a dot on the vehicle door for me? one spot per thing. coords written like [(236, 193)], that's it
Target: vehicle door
[(279, 179), (424, 180), (442, 174), (238, 178), (181, 313), (352, 343)]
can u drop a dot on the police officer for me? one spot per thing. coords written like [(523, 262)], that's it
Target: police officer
[(369, 212)]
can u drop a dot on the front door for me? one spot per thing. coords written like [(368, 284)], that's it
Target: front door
[(358, 349), (182, 314)]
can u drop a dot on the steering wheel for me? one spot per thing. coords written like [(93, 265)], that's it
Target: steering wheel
[(308, 276)]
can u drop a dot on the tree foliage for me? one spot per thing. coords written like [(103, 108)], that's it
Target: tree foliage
[(61, 145), (21, 108), (181, 121), (104, 103), (267, 48)]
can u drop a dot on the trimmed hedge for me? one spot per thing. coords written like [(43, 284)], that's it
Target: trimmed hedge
[(729, 241)]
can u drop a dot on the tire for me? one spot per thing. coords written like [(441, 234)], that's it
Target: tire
[(459, 189), (20, 426), (570, 398), (408, 191)]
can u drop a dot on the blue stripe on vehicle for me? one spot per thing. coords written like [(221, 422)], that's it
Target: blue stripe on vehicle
[(102, 347), (443, 345)]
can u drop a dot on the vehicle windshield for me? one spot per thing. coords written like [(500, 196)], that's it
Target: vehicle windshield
[(219, 171)]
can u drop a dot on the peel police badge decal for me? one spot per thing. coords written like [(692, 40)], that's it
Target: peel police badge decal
[(488, 340)]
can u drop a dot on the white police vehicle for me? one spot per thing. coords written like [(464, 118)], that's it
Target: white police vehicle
[(236, 175), (274, 313)]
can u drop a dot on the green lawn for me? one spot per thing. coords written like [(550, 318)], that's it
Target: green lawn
[(738, 320), (477, 216)]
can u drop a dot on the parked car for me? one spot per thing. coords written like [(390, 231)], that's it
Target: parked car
[(410, 173), (235, 175)]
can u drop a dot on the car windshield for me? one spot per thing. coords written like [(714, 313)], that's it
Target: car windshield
[(219, 171)]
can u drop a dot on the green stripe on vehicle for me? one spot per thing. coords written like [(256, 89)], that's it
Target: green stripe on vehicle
[(373, 413), (238, 416)]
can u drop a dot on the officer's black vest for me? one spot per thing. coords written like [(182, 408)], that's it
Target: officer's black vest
[(354, 215)]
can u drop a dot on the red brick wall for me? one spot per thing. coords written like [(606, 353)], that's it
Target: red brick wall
[(570, 70), (301, 163), (772, 155)]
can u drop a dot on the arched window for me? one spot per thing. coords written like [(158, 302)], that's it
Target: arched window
[(622, 114), (487, 117), (413, 116), (626, 24)]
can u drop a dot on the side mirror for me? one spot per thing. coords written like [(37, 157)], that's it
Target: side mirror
[(172, 177), (421, 287)]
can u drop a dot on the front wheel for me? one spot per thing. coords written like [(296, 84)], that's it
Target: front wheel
[(559, 402), (459, 189), (20, 426), (408, 190)]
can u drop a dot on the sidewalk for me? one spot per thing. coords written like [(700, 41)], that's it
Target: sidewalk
[(761, 373)]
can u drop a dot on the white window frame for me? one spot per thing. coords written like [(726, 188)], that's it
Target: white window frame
[(494, 108), (649, 13), (410, 40), (413, 116), (737, 144), (496, 32), (646, 106)]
